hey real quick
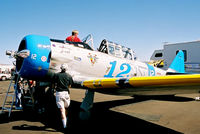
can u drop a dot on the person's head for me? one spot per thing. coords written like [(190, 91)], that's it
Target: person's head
[(75, 32), (64, 67)]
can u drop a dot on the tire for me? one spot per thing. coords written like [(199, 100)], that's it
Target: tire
[(3, 78)]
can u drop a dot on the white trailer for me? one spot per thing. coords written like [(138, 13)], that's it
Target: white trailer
[(191, 52), (5, 71), (6, 68)]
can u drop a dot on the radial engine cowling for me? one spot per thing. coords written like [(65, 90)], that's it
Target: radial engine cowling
[(36, 65)]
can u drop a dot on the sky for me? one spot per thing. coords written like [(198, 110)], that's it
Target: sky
[(143, 25)]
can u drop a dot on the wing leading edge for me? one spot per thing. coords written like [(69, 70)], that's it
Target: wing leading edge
[(156, 85)]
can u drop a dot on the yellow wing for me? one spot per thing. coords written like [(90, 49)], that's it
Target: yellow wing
[(150, 85)]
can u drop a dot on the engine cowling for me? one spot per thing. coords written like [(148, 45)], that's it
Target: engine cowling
[(36, 65)]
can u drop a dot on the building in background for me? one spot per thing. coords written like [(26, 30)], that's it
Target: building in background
[(191, 52)]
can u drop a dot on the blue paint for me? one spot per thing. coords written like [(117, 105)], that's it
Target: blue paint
[(151, 70), (122, 67), (178, 63), (110, 74), (125, 68), (37, 64)]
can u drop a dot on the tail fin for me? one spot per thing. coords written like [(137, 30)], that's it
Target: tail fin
[(177, 64)]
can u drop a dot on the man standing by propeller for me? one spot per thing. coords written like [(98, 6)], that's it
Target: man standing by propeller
[(63, 81)]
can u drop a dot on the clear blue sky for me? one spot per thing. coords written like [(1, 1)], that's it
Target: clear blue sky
[(142, 25)]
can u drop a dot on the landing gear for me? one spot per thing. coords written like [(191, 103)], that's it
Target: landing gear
[(86, 105)]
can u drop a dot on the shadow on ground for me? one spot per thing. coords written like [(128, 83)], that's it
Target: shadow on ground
[(103, 120)]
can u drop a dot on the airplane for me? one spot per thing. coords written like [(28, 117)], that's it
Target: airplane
[(111, 69)]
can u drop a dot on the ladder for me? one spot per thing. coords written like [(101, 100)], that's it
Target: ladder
[(6, 105)]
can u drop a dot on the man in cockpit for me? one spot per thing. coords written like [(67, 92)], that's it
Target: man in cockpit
[(74, 37)]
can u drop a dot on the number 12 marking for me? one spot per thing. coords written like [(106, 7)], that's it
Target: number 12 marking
[(122, 68)]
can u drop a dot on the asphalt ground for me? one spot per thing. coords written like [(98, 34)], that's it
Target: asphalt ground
[(163, 115)]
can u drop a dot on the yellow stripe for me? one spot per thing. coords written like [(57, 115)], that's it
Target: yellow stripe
[(150, 81), (109, 83), (100, 83), (165, 80), (88, 83)]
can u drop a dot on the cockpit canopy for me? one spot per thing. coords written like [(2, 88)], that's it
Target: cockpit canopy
[(106, 46), (116, 50)]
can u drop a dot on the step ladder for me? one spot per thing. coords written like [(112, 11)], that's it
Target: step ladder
[(10, 93)]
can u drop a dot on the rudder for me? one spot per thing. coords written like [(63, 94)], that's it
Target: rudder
[(177, 64)]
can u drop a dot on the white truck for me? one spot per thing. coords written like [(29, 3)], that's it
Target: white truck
[(191, 55), (5, 71), (4, 77)]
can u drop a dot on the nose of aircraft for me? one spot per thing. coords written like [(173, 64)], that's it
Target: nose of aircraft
[(33, 56)]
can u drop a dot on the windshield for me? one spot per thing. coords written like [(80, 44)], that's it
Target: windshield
[(88, 40)]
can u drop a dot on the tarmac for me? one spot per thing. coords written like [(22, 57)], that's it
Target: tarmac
[(140, 115)]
